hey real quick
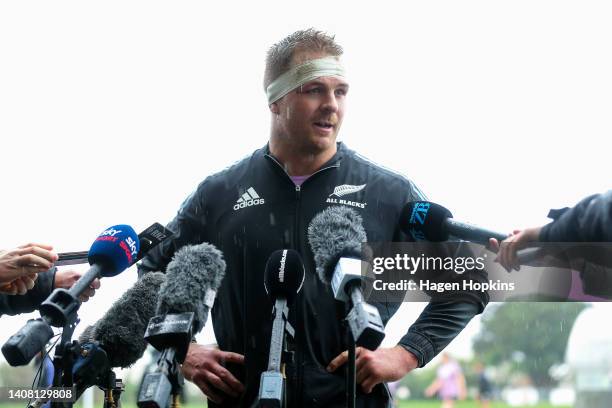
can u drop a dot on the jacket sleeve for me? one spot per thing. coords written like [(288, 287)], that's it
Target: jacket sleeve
[(589, 221), (447, 314), (436, 327), (187, 226), (16, 304)]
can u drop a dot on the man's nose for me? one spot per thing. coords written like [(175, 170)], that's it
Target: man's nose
[(330, 104)]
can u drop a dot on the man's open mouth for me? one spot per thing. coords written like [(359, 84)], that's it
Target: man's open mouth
[(324, 125)]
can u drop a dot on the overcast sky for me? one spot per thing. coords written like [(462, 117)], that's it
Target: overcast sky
[(112, 112)]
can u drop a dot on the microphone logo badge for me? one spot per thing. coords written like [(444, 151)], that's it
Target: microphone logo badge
[(248, 199), (281, 270), (132, 244), (110, 232), (419, 213)]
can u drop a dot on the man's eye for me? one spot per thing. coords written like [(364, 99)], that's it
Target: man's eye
[(313, 90), (341, 92)]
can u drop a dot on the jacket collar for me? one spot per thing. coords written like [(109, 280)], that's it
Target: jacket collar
[(341, 151)]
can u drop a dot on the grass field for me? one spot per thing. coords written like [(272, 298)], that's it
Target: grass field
[(407, 404)]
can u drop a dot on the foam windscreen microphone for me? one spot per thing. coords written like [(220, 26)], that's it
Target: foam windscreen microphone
[(284, 274), (116, 340), (193, 277), (336, 235), (120, 331)]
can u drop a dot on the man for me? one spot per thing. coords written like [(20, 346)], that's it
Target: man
[(264, 203)]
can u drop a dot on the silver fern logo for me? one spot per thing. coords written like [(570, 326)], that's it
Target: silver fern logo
[(341, 191)]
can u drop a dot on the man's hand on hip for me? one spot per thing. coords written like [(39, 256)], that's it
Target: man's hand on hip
[(204, 366), (374, 367)]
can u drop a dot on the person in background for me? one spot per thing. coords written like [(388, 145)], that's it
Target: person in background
[(449, 383), (485, 387)]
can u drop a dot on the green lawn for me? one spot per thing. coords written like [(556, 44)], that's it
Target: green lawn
[(464, 404), (407, 404)]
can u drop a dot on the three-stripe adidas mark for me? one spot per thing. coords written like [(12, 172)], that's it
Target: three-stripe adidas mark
[(248, 199)]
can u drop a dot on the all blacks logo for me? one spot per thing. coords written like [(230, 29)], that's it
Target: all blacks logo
[(249, 203)]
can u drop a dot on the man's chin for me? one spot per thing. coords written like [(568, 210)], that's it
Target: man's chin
[(320, 144)]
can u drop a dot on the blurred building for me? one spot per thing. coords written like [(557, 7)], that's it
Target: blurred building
[(589, 356)]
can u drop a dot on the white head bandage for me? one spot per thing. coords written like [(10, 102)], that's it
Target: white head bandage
[(300, 74)]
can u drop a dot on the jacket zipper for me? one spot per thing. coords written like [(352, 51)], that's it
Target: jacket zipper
[(298, 397)]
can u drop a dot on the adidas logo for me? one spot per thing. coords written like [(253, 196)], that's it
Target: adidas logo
[(248, 199)]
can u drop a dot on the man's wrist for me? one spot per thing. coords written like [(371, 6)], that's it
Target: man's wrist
[(409, 359)]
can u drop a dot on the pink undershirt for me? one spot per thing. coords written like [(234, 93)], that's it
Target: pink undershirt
[(298, 180)]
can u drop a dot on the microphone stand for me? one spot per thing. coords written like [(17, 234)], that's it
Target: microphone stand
[(351, 376), (170, 334), (272, 385), (63, 361)]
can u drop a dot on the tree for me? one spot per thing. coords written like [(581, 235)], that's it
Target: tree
[(530, 336)]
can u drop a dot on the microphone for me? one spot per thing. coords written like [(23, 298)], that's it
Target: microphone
[(192, 280), (283, 279), (116, 340), (109, 255), (149, 239), (335, 236), (427, 221), (284, 275), (120, 331)]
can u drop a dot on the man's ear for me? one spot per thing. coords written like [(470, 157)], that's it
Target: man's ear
[(274, 108)]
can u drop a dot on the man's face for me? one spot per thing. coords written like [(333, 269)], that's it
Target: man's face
[(311, 115)]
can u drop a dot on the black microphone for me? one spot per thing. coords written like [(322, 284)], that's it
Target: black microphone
[(427, 221), (336, 235), (283, 279), (116, 340), (192, 280)]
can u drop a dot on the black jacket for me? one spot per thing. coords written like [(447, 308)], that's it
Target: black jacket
[(589, 221), (16, 304), (253, 208)]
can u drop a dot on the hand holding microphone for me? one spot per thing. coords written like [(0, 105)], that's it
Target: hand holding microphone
[(508, 250), (67, 278)]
